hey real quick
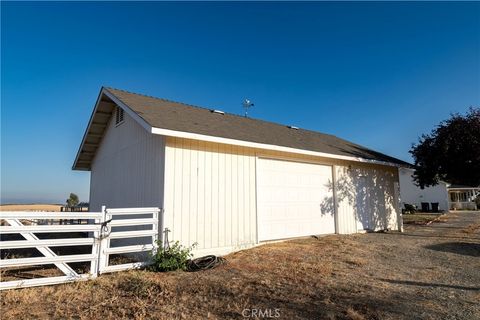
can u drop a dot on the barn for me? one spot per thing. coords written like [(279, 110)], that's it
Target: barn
[(227, 182)]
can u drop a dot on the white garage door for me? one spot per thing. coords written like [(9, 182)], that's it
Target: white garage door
[(294, 199)]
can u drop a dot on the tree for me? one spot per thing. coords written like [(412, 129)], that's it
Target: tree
[(451, 152), (73, 200)]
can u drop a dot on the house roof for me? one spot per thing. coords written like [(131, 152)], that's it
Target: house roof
[(461, 186), (173, 116)]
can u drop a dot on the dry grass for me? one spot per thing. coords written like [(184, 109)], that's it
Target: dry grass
[(354, 315), (30, 207), (291, 276), (421, 218), (367, 276), (472, 228)]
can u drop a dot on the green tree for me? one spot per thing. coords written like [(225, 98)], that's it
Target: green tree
[(451, 152), (73, 200)]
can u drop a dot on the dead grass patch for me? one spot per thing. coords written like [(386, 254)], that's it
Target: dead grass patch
[(354, 315), (471, 228), (356, 261), (422, 219)]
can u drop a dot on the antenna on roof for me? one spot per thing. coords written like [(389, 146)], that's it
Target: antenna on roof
[(247, 104)]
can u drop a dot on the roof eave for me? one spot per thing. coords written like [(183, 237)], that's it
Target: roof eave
[(104, 92), (215, 139)]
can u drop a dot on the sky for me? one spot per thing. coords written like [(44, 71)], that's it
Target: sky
[(379, 74)]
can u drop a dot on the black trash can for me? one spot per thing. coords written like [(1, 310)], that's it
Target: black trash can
[(434, 206), (425, 207)]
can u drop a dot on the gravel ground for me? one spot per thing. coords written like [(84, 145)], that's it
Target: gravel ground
[(431, 272), (427, 272)]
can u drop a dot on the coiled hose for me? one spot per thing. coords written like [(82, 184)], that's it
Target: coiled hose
[(204, 263)]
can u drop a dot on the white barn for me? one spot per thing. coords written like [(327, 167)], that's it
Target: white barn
[(228, 182)]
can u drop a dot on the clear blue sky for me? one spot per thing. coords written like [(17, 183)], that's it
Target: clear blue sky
[(379, 74)]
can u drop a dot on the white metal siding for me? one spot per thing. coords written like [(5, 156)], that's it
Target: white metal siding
[(294, 199), (128, 168), (366, 198), (210, 195)]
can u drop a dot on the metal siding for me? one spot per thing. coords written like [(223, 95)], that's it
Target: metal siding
[(128, 169), (380, 197), (210, 193)]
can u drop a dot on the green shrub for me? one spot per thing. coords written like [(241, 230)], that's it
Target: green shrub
[(174, 257), (409, 209)]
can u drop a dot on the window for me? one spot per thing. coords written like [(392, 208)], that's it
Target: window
[(119, 116)]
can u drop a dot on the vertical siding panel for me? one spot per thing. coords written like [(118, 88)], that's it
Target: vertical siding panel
[(234, 182), (162, 166), (186, 179), (201, 195), (193, 192), (214, 196), (221, 197), (228, 195), (169, 185), (177, 218), (248, 187), (208, 196), (241, 196), (253, 204)]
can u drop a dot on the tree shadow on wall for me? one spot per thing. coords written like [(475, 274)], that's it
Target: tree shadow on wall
[(369, 191)]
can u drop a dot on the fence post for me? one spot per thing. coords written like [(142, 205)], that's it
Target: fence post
[(94, 265), (104, 244), (156, 227)]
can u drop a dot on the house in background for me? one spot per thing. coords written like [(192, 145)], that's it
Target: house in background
[(410, 193), (463, 197), (229, 182)]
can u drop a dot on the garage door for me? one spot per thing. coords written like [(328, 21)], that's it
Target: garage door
[(294, 199)]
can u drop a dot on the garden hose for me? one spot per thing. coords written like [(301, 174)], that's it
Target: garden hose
[(204, 263)]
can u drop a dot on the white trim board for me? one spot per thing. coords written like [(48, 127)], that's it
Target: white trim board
[(202, 137)]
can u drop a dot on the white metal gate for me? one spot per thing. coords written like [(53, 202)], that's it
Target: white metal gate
[(95, 229)]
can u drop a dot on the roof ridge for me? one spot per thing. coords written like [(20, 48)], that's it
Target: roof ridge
[(158, 98)]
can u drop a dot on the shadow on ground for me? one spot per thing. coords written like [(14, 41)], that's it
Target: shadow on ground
[(463, 248), (430, 284)]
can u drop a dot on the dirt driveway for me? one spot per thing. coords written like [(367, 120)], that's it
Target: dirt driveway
[(427, 272)]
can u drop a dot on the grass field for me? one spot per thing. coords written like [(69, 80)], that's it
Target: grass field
[(30, 207)]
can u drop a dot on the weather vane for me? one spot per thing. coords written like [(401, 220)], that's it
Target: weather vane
[(247, 104)]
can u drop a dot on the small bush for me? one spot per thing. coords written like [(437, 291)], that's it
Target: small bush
[(409, 209), (173, 258)]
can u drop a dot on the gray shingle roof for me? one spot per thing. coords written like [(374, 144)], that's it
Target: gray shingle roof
[(165, 114), (170, 115)]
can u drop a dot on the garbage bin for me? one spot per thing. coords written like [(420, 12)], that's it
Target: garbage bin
[(425, 206), (434, 206)]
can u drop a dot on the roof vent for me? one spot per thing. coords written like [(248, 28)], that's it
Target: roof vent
[(293, 127), (217, 111)]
